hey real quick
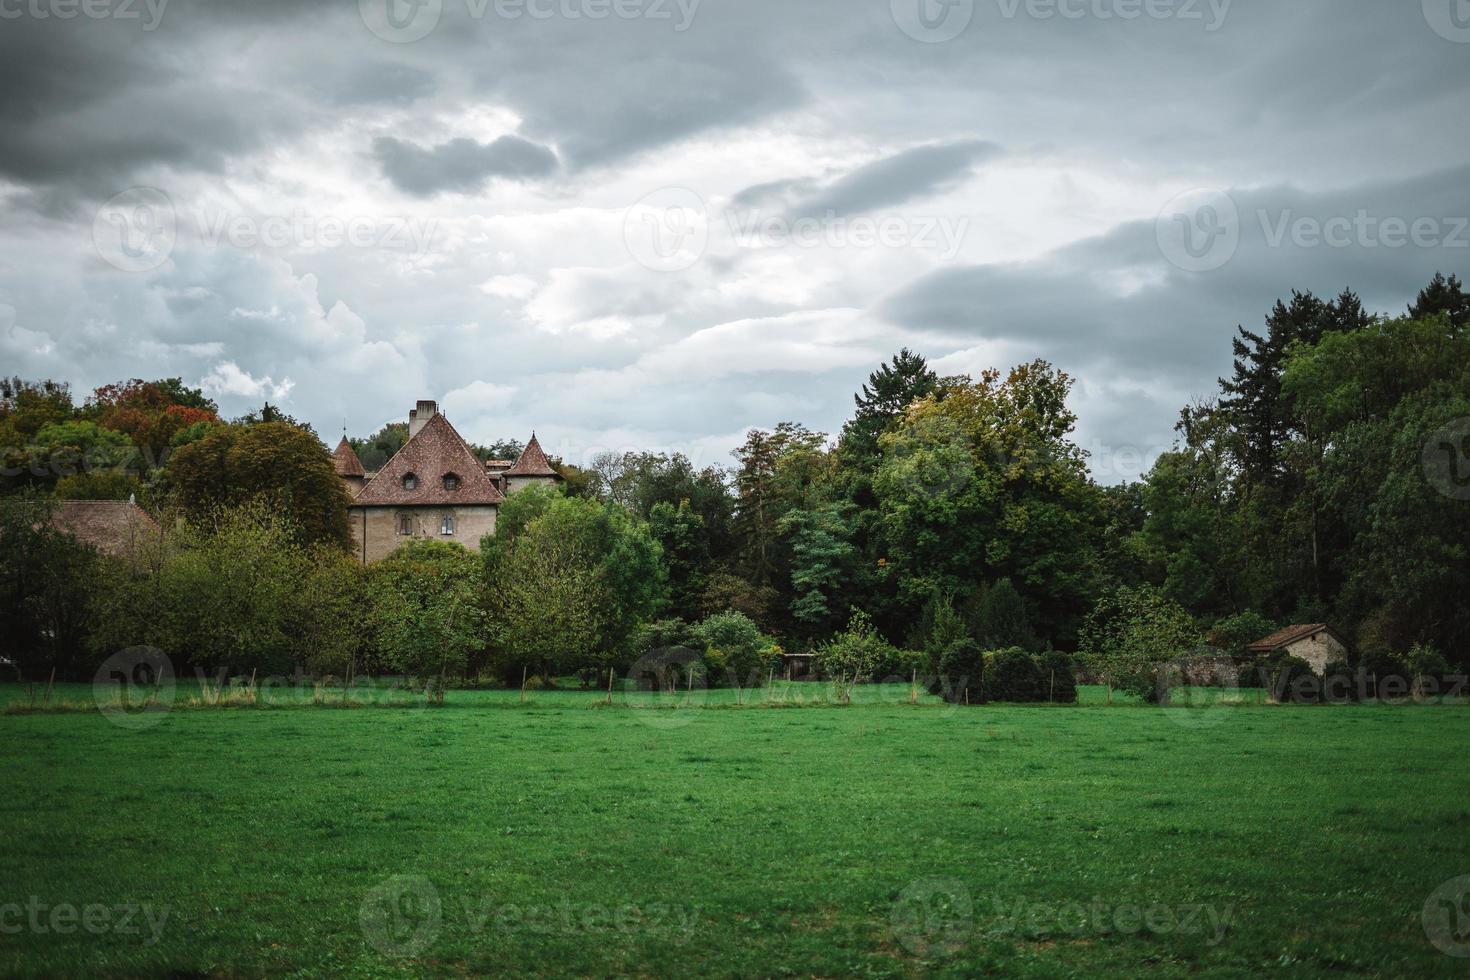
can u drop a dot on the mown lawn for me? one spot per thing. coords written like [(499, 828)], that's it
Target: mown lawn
[(567, 838)]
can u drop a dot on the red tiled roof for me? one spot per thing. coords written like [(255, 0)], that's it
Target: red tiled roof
[(113, 527), (1291, 634), (533, 462), (435, 452), (345, 461)]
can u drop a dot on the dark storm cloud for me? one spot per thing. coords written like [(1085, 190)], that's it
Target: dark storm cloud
[(243, 106), (647, 100), (1118, 300), (86, 103), (367, 82), (462, 165)]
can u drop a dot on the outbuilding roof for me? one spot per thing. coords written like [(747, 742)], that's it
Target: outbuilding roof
[(1292, 634), (113, 527)]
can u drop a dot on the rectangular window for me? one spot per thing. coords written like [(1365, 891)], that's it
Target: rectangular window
[(405, 525), (446, 526)]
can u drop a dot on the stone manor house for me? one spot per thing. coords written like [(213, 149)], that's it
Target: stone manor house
[(434, 488)]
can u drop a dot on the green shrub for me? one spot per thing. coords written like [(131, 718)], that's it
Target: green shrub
[(663, 634), (901, 665), (1340, 683), (1014, 675), (961, 671), (854, 655), (1292, 681), (1426, 663), (736, 652), (1061, 677), (1386, 677), (1017, 676)]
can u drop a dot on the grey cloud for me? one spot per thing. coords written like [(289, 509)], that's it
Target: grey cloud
[(1114, 309), (367, 82), (903, 177), (462, 165), (1319, 93), (781, 192)]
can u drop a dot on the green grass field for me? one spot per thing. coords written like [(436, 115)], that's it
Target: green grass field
[(565, 837)]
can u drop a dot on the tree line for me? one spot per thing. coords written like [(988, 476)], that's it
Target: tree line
[(951, 519)]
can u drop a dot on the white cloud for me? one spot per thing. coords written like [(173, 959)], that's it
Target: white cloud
[(227, 378), (509, 287)]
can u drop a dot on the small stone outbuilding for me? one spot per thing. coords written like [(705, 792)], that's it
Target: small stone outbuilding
[(1316, 643)]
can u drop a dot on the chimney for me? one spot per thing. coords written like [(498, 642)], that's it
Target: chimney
[(419, 417)]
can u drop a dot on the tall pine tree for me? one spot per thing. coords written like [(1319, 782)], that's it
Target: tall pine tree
[(890, 390), (1443, 296)]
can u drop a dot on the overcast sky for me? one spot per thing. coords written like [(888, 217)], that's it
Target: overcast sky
[(658, 223)]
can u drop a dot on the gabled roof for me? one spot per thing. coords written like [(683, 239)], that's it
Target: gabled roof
[(345, 461), (533, 462), (113, 527), (1292, 634), (435, 452)]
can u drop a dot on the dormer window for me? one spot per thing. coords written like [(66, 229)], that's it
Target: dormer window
[(451, 481), (410, 482)]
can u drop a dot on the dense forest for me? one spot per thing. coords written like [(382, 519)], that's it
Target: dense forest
[(1328, 480)]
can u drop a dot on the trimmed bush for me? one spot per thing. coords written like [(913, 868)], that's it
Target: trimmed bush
[(1061, 679), (901, 665), (1014, 675), (961, 668)]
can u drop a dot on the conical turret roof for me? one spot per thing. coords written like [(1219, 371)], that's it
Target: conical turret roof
[(345, 461), (533, 462)]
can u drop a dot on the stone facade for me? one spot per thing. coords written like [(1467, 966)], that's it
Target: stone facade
[(1319, 650), (378, 531), (433, 489), (1316, 643)]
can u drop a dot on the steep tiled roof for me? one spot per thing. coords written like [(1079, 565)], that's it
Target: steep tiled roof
[(113, 527), (533, 462), (435, 452), (345, 460), (1290, 635)]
